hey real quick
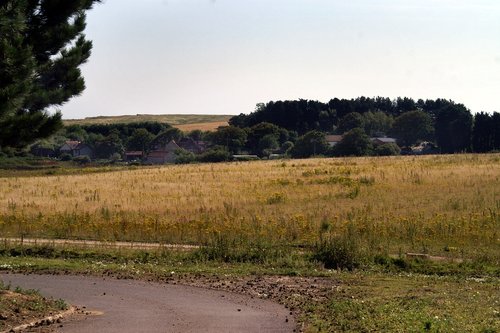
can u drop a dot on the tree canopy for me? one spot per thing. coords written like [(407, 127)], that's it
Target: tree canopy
[(42, 46)]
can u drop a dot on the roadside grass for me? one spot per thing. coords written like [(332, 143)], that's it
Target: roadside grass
[(417, 296), (409, 303), (18, 306)]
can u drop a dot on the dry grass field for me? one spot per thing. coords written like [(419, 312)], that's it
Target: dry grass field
[(185, 122), (208, 126), (441, 205)]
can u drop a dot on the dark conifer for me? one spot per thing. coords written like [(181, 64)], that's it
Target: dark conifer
[(42, 46)]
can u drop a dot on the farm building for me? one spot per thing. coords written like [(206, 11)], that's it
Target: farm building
[(195, 147), (383, 140), (333, 139), (76, 148), (133, 156), (163, 154)]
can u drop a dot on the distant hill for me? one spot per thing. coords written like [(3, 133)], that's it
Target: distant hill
[(185, 122)]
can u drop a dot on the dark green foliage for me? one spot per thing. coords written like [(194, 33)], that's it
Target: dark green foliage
[(350, 121), (267, 144), (259, 131), (337, 253), (215, 154), (377, 123), (486, 132), (140, 140), (451, 123), (110, 145), (412, 126), (354, 143), (82, 159), (387, 149), (124, 129), (233, 138), (310, 144), (453, 128), (41, 49), (166, 136), (184, 157)]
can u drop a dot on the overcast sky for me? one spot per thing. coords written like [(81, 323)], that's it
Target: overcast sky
[(224, 56)]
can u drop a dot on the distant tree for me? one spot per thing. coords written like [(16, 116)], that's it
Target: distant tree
[(232, 137), (196, 135), (257, 132), (41, 49), (110, 145), (76, 132), (387, 149), (267, 144), (482, 133), (453, 128), (166, 136), (286, 147), (411, 127), (215, 154), (495, 119), (184, 157), (350, 121), (310, 144), (140, 140), (354, 143), (377, 123)]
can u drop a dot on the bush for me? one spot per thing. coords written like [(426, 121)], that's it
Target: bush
[(184, 157), (387, 149), (215, 154), (337, 253), (84, 159), (65, 157)]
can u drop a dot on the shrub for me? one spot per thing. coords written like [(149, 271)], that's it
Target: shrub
[(65, 157), (388, 149), (184, 157), (337, 253), (215, 154), (84, 159)]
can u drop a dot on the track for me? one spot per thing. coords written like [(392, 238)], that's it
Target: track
[(136, 306)]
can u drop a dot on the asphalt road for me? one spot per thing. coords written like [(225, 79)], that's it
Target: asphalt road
[(136, 306)]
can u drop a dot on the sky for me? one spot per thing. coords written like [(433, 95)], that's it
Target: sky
[(225, 56)]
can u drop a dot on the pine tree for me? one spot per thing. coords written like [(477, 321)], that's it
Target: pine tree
[(42, 46)]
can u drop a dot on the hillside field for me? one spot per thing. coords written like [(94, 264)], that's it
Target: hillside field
[(185, 122), (441, 205)]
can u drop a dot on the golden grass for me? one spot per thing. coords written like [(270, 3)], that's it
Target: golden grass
[(437, 204), (208, 126), (172, 119)]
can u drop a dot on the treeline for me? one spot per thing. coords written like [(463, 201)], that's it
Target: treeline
[(450, 125)]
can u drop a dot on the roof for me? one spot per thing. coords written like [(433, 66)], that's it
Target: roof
[(133, 153), (72, 144), (385, 140), (333, 138)]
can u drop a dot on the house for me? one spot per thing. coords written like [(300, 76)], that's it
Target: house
[(41, 151), (382, 141), (76, 148), (163, 154), (424, 148), (333, 139), (245, 157), (131, 156), (189, 144)]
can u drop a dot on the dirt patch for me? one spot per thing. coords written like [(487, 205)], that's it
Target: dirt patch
[(21, 308)]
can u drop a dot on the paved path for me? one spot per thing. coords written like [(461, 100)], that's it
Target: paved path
[(136, 306)]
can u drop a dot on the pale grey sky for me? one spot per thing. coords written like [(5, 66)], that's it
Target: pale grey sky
[(224, 56)]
